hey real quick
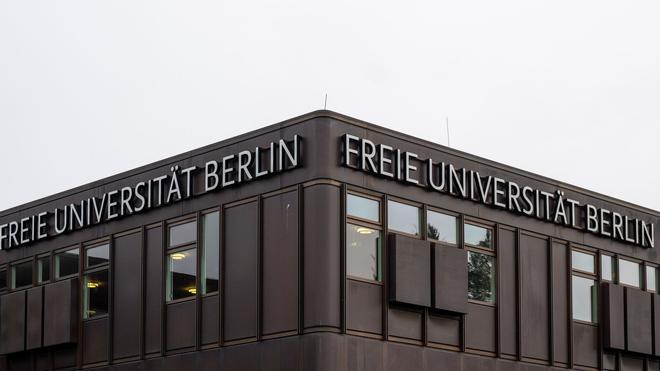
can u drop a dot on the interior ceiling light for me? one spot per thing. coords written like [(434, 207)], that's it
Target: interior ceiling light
[(192, 290), (178, 256), (93, 285), (363, 230)]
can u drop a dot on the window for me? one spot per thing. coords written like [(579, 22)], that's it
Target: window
[(583, 283), (21, 275), (3, 279), (43, 269), (651, 279), (583, 262), (363, 238), (66, 263), (481, 277), (607, 268), (441, 227), (95, 281), (181, 265), (362, 208), (478, 236), (629, 273), (481, 263), (211, 244), (403, 218), (181, 274), (364, 249)]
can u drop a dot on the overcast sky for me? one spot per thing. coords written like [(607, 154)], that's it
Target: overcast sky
[(566, 89)]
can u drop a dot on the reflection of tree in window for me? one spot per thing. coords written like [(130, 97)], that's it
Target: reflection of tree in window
[(480, 277), (486, 242), (433, 232)]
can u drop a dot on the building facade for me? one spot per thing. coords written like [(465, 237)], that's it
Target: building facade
[(327, 243)]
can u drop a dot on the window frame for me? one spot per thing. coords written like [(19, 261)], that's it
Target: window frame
[(420, 217), (367, 223), (594, 276), (10, 269), (171, 249), (201, 262), (614, 267), (55, 275), (85, 271), (492, 251), (640, 272), (5, 268), (646, 281), (437, 210)]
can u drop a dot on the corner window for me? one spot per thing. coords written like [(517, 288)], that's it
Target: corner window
[(441, 227), (629, 273), (95, 281), (363, 208), (583, 286), (481, 277), (651, 279), (607, 268), (478, 236), (181, 264), (363, 238), (211, 244), (66, 263), (21, 275), (403, 218)]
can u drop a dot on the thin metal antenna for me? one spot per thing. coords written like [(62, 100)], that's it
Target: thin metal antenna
[(325, 104), (448, 142)]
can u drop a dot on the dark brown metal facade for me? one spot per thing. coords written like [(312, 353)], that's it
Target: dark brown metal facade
[(285, 301)]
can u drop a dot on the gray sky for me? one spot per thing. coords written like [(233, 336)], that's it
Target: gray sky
[(566, 89)]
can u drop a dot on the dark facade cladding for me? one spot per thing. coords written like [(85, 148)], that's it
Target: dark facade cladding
[(327, 243)]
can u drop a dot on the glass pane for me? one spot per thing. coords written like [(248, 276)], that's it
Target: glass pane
[(362, 207), (481, 277), (651, 281), (582, 261), (403, 218), (478, 236), (96, 294), (181, 274), (584, 297), (98, 255), (363, 258), (606, 267), (211, 271), (21, 275), (3, 279), (183, 233), (628, 272), (43, 269), (66, 263), (441, 227)]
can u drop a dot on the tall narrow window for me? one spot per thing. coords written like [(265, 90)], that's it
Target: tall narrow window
[(211, 245), (651, 279), (441, 227), (3, 279), (607, 268), (629, 273), (481, 263), (584, 286), (95, 281), (66, 263), (181, 268), (403, 218), (21, 275), (43, 269), (363, 238)]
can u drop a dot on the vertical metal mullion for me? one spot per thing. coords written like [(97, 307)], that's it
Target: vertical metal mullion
[(163, 293), (385, 263), (498, 307), (342, 255), (111, 317), (81, 340), (301, 259), (221, 285), (425, 313), (143, 291), (260, 264), (518, 296), (201, 252), (599, 311), (463, 316), (551, 301), (569, 289)]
